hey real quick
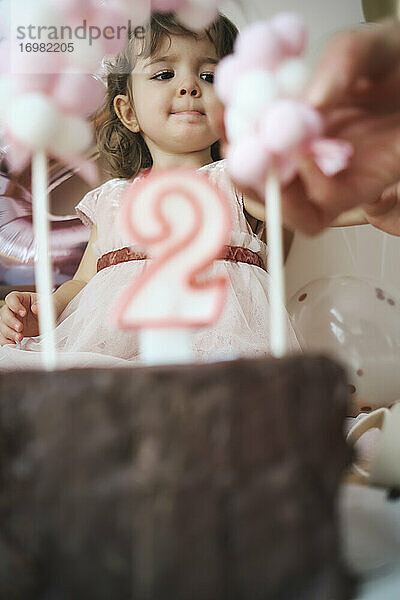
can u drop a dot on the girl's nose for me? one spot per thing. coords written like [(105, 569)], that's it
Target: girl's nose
[(193, 91)]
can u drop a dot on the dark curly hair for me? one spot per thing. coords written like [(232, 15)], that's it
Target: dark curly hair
[(125, 153)]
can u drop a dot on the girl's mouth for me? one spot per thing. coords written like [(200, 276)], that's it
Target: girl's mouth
[(192, 113)]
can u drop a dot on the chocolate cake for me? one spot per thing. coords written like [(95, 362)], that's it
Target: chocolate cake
[(212, 481)]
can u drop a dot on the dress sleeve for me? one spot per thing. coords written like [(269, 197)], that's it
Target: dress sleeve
[(86, 209)]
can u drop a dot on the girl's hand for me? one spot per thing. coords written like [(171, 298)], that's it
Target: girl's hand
[(19, 317)]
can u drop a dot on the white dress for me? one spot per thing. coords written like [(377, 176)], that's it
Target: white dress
[(85, 336)]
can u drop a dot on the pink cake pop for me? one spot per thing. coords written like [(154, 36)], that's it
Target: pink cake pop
[(260, 46), (226, 77), (166, 5), (291, 31), (194, 14), (247, 160), (47, 87), (282, 127), (198, 15), (78, 93), (288, 124)]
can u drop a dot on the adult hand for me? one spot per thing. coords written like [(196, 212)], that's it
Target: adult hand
[(357, 88)]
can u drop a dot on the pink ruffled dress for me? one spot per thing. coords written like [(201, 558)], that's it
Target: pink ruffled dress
[(85, 336)]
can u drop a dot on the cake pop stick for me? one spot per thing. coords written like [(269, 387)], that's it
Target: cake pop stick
[(273, 218), (43, 271), (271, 129)]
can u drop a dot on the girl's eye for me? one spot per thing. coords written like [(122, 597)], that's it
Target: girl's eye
[(209, 77), (163, 75)]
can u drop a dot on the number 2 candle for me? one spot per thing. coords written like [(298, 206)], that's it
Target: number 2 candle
[(182, 221)]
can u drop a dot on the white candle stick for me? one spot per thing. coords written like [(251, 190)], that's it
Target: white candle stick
[(43, 274), (273, 217), (165, 346)]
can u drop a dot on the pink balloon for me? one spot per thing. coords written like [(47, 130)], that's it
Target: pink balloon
[(248, 161), (78, 93), (288, 125), (68, 236), (260, 46), (291, 31)]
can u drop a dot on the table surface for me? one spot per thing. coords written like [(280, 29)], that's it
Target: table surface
[(370, 533)]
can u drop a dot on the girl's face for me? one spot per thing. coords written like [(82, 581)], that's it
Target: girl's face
[(173, 96)]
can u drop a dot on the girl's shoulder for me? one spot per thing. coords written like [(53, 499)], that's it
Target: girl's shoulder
[(108, 192), (111, 186), (216, 168), (218, 173)]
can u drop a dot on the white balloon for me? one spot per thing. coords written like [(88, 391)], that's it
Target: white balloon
[(74, 137), (292, 77), (358, 322), (254, 91), (33, 120)]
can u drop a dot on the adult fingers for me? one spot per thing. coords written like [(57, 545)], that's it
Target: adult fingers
[(332, 195), (300, 212), (388, 200), (381, 96), (367, 53)]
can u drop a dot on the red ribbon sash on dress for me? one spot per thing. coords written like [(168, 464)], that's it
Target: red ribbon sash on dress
[(231, 253)]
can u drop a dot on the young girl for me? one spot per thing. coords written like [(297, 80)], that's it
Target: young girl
[(159, 111)]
